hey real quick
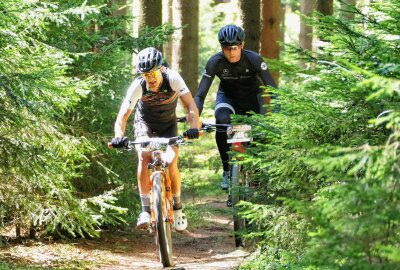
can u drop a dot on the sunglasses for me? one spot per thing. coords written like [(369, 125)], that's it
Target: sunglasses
[(151, 74), (232, 48)]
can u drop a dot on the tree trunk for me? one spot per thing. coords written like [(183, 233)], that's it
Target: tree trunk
[(270, 33), (186, 49), (168, 45), (283, 23), (250, 17), (325, 7), (305, 35), (120, 8), (346, 6), (150, 13)]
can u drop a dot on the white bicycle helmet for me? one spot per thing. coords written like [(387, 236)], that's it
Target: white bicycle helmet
[(149, 59)]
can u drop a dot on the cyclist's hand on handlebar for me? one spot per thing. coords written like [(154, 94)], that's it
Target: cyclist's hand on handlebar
[(192, 133), (119, 142)]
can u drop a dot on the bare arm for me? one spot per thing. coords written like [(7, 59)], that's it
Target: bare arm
[(191, 109), (122, 119), (131, 98)]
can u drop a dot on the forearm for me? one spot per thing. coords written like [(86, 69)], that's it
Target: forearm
[(193, 115), (202, 91), (199, 101), (120, 123)]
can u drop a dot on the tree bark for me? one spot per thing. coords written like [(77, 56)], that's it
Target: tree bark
[(120, 8), (168, 45), (305, 35), (270, 34), (283, 23), (186, 49), (346, 6), (250, 17), (325, 7), (150, 13)]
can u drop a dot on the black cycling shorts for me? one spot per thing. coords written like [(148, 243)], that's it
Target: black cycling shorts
[(165, 130), (237, 106)]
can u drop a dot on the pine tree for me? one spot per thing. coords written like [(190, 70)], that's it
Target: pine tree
[(330, 183), (64, 69)]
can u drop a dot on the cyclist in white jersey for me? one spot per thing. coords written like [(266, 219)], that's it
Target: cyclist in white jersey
[(155, 94)]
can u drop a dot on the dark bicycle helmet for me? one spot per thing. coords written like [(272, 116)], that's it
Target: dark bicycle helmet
[(230, 35), (149, 59)]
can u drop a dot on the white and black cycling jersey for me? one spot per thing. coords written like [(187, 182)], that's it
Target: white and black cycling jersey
[(156, 106)]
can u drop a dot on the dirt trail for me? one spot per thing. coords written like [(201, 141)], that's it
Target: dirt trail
[(210, 246), (206, 247)]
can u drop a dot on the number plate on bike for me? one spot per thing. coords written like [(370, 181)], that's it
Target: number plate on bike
[(239, 133), (168, 155)]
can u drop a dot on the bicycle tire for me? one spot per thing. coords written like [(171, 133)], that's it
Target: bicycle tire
[(163, 226), (239, 224)]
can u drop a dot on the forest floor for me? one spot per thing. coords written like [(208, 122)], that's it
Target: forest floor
[(207, 245)]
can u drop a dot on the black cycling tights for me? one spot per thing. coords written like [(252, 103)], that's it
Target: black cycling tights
[(222, 116)]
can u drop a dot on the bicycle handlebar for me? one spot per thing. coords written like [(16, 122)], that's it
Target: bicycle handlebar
[(205, 126), (215, 127), (178, 139), (155, 143)]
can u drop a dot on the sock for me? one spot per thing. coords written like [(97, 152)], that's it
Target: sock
[(177, 202), (145, 201)]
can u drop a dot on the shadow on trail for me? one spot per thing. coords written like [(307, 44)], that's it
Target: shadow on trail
[(204, 245)]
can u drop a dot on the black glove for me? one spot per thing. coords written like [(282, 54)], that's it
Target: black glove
[(119, 142), (192, 133)]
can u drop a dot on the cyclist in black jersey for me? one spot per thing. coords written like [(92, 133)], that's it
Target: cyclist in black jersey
[(241, 73), (155, 94)]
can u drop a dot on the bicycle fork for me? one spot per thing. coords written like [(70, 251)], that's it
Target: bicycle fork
[(159, 167), (238, 184)]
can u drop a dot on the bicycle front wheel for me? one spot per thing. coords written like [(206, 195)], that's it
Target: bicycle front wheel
[(239, 224), (163, 225)]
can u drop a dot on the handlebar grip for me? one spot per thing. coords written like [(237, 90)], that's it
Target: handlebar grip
[(200, 134)]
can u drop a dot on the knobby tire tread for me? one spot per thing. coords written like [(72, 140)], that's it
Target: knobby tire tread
[(163, 226), (239, 223)]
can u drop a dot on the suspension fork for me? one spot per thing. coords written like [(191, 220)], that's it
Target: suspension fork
[(158, 165), (237, 147), (168, 195)]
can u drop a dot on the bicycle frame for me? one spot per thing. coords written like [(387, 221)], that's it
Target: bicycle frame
[(239, 185), (162, 213), (158, 166)]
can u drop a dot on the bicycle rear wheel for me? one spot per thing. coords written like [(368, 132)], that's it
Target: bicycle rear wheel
[(237, 194), (163, 225)]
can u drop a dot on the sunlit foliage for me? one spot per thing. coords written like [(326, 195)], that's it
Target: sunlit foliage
[(329, 191), (64, 67)]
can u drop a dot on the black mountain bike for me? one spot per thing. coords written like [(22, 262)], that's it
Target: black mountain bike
[(239, 189)]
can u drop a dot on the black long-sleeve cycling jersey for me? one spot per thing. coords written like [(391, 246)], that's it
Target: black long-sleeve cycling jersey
[(237, 80)]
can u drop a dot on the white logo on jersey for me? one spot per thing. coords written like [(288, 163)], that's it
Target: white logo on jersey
[(263, 66), (225, 71), (247, 70)]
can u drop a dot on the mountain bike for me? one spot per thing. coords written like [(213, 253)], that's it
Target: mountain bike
[(239, 189), (162, 213)]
